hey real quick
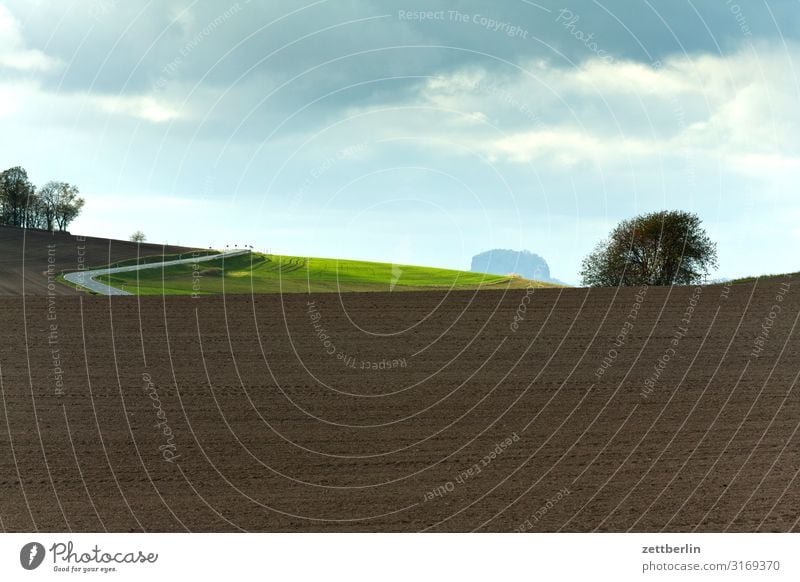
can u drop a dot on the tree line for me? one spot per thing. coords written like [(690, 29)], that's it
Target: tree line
[(49, 207)]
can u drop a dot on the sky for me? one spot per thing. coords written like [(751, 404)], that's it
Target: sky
[(419, 132)]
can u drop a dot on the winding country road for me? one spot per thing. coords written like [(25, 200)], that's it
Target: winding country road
[(86, 278)]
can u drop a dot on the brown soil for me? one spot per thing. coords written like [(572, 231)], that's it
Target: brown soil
[(26, 257), (274, 434)]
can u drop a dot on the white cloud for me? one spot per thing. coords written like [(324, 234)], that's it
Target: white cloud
[(28, 96), (567, 147), (30, 99), (146, 108), (738, 110), (14, 54), (629, 77)]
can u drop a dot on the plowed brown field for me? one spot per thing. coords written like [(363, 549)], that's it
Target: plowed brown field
[(27, 257), (239, 413)]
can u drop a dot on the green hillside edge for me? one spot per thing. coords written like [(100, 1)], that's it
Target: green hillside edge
[(260, 273)]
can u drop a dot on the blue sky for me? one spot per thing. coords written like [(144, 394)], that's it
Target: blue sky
[(370, 130)]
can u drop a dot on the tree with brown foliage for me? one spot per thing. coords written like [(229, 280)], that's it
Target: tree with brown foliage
[(659, 248)]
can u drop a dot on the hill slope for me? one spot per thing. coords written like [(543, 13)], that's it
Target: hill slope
[(27, 255), (259, 273)]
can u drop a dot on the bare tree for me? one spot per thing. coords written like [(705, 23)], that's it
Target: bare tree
[(69, 205), (35, 212), (138, 237), (48, 203)]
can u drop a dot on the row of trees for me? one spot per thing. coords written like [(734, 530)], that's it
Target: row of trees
[(50, 207), (659, 248)]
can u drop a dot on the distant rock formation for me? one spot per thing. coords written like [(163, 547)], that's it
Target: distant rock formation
[(505, 262)]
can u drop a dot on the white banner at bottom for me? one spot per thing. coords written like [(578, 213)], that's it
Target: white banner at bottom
[(399, 557)]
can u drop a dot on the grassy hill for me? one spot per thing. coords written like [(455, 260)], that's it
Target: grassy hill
[(259, 273), (762, 278)]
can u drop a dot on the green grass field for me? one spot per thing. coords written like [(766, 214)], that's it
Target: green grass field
[(762, 278), (259, 273)]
